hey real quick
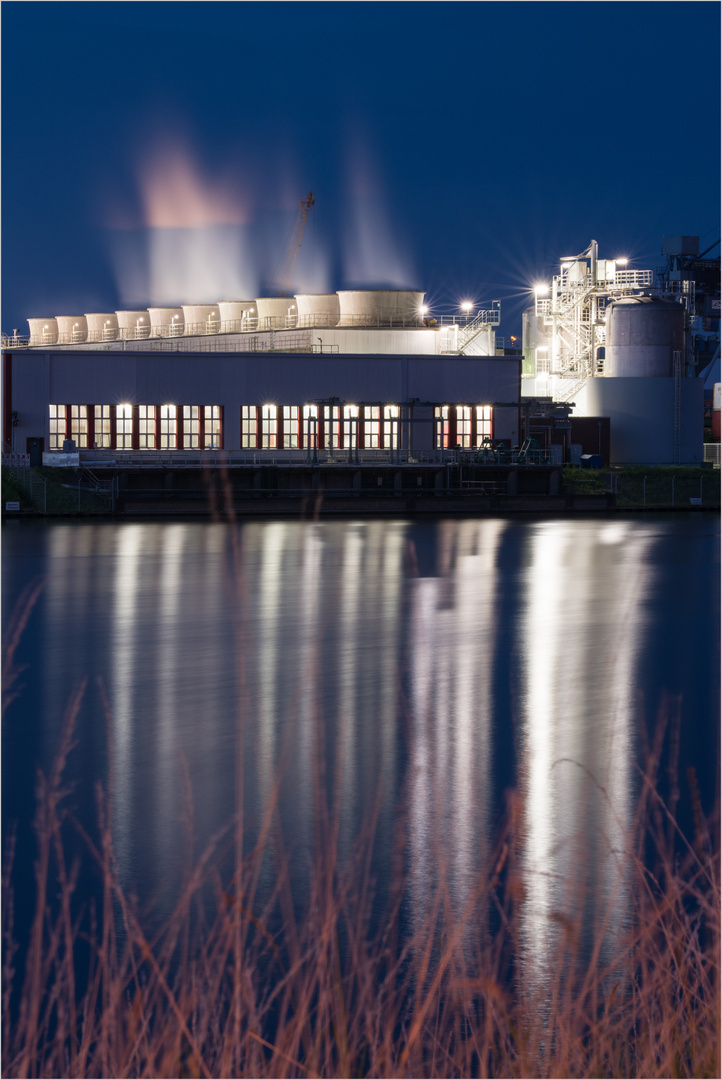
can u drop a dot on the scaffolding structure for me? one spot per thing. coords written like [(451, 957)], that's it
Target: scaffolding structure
[(575, 314)]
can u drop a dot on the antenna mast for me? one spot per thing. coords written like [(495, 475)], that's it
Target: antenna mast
[(286, 276)]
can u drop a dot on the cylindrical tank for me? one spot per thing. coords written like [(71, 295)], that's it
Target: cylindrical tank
[(380, 307), (238, 315), (166, 321), (536, 343), (102, 326), (318, 309), (43, 331), (133, 324), (643, 333), (72, 329), (201, 318), (276, 312)]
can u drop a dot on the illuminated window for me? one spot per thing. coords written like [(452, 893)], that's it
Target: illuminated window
[(212, 427), (441, 427), (146, 427), (57, 427), (102, 426), (249, 426), (332, 427), (372, 427), (350, 426), (168, 427), (79, 425), (268, 427), (310, 412), (483, 423), (124, 427), (463, 426), (290, 427), (391, 426), (191, 427)]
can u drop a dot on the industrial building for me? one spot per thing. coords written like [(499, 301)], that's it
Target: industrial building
[(614, 344), (365, 372), (372, 375)]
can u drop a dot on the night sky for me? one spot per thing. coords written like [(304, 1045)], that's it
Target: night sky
[(156, 152)]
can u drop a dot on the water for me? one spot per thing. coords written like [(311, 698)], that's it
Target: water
[(422, 669)]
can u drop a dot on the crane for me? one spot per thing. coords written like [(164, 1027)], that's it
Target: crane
[(286, 275)]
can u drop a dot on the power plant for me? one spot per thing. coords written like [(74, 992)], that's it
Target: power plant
[(375, 373)]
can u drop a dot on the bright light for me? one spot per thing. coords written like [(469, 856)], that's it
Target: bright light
[(467, 305), (542, 348), (540, 289), (423, 309), (622, 262)]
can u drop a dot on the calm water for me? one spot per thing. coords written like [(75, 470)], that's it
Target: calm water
[(429, 666)]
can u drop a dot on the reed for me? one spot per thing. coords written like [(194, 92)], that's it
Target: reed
[(229, 987)]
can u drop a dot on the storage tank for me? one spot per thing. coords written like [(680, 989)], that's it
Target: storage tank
[(133, 325), (102, 326), (237, 315), (318, 309), (536, 343), (72, 329), (166, 321), (643, 332), (201, 318), (380, 307), (43, 331), (276, 313)]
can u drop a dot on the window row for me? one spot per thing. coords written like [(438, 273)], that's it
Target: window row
[(263, 427), (328, 427), (137, 427)]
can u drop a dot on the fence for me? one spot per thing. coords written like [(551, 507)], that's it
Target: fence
[(664, 492), (34, 486)]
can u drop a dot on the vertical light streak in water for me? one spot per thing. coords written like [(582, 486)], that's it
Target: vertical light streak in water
[(124, 650), (581, 634), (350, 615), (452, 653), (389, 540), (307, 636), (169, 707), (269, 615)]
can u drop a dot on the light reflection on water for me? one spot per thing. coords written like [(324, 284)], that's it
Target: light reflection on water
[(426, 666)]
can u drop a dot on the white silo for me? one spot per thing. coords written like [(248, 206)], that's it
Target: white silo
[(201, 318), (133, 325), (72, 329), (102, 326), (238, 315), (318, 309), (166, 321), (43, 331), (380, 307), (643, 333), (276, 312)]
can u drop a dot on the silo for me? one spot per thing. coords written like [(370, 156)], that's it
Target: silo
[(43, 331), (201, 318), (133, 325), (102, 326), (536, 343), (72, 329), (166, 321), (643, 333), (276, 312), (318, 309), (237, 315), (380, 307)]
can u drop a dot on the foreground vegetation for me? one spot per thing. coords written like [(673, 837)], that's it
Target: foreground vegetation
[(228, 985), (640, 487)]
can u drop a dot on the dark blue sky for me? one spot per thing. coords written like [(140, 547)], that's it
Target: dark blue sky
[(156, 152)]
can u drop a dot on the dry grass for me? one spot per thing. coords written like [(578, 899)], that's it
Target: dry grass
[(217, 992), (232, 986)]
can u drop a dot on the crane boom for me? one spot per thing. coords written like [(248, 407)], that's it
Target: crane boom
[(286, 276)]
